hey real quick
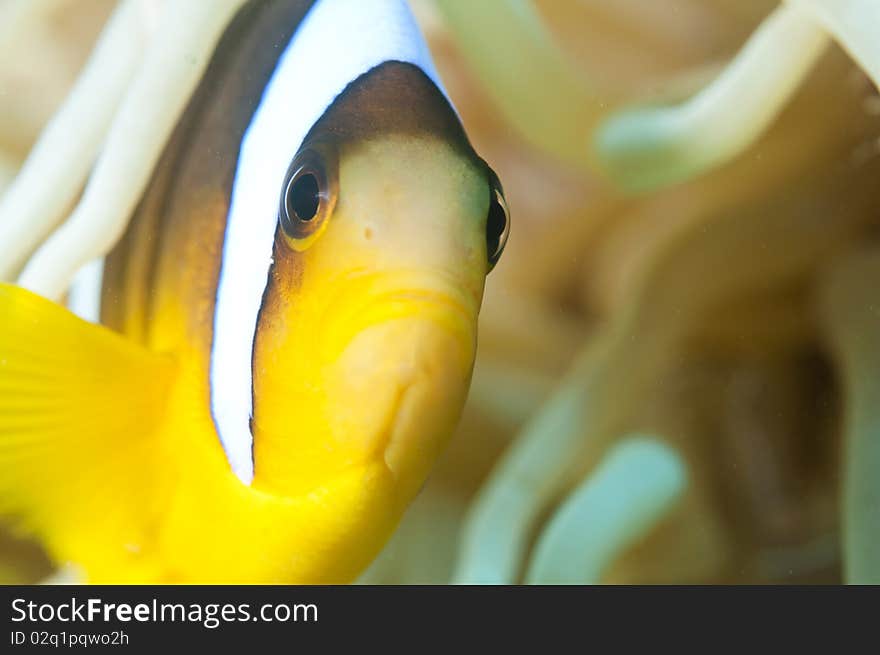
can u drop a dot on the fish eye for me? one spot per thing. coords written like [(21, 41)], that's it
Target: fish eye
[(497, 223), (309, 196), (303, 197)]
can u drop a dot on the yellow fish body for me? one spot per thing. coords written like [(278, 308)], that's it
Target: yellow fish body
[(290, 320)]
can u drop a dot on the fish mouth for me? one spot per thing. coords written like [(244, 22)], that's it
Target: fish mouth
[(383, 380), (393, 397), (431, 389)]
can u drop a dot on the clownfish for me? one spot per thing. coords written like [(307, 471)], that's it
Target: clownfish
[(287, 328)]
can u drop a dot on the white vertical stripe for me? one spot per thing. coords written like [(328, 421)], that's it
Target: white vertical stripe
[(338, 41)]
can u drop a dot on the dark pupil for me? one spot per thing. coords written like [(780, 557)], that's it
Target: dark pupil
[(495, 228), (303, 198)]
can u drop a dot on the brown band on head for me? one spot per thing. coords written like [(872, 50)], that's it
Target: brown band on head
[(392, 98)]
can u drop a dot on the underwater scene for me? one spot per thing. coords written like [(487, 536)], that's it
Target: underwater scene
[(440, 291)]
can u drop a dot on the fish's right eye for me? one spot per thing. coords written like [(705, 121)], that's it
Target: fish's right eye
[(309, 197), (497, 222)]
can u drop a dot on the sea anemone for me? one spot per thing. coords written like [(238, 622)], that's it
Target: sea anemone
[(679, 359)]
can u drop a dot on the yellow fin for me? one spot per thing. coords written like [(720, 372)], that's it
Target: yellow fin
[(79, 411)]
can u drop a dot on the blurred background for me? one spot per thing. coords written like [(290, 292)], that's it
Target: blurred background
[(712, 311)]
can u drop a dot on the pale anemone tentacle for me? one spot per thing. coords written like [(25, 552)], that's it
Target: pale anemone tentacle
[(495, 531), (548, 450), (642, 338), (851, 314), (630, 492), (854, 24), (187, 33), (84, 298), (547, 101), (535, 87), (652, 147), (59, 163), (572, 425)]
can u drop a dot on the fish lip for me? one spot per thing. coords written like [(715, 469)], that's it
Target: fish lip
[(433, 290), (442, 311), (431, 297), (395, 425), (403, 431)]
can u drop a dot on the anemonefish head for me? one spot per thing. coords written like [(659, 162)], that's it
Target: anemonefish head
[(388, 225), (385, 226)]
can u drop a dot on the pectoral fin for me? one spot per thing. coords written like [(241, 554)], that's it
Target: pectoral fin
[(79, 411)]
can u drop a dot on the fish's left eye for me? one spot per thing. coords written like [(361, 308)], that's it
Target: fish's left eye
[(309, 197), (497, 223)]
